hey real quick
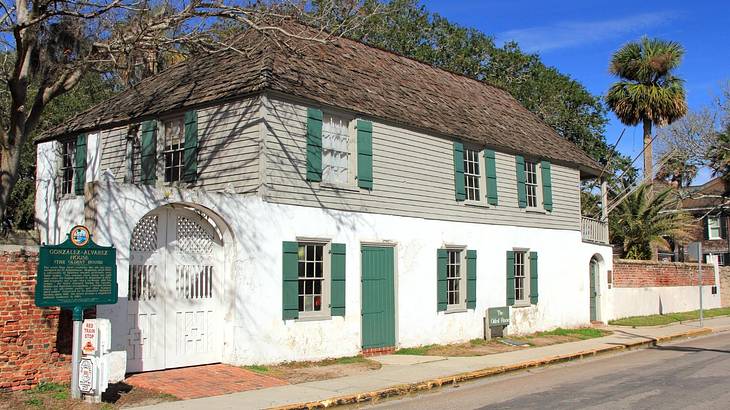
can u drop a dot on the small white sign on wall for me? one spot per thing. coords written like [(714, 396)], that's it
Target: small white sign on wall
[(87, 378), (89, 337)]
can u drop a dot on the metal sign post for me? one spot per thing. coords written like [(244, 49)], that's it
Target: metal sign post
[(694, 250), (78, 316), (699, 268)]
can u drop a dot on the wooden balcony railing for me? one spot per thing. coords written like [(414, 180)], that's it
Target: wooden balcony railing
[(594, 230)]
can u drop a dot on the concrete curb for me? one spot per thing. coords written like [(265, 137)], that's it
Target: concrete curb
[(403, 389)]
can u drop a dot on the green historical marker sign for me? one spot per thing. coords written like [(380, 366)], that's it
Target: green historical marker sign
[(498, 316), (77, 273)]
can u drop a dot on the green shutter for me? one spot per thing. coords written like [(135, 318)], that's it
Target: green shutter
[(491, 164), (80, 164), (723, 227), (471, 279), (337, 293), (364, 154), (521, 190), (290, 272), (149, 152), (510, 278), (190, 160), (459, 171), (547, 185), (441, 296), (314, 144), (533, 278)]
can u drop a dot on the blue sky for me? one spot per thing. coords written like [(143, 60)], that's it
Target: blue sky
[(578, 38)]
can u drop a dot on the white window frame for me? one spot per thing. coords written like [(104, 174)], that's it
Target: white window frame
[(538, 185), (163, 151), (351, 180), (481, 177), (710, 227), (525, 261), (461, 296), (63, 153), (325, 312)]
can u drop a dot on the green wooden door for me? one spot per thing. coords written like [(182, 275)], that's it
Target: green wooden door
[(378, 297), (592, 291)]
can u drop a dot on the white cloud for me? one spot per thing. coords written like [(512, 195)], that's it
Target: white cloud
[(577, 33)]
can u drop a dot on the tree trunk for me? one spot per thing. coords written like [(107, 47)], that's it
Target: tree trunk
[(9, 163), (648, 168)]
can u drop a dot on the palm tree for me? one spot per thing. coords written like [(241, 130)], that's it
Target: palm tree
[(677, 168), (642, 222), (648, 92)]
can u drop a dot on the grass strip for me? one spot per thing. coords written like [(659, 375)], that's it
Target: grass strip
[(667, 318)]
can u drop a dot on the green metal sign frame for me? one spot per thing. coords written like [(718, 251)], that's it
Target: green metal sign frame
[(498, 316), (77, 273)]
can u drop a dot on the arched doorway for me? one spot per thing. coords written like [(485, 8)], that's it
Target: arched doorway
[(594, 276), (174, 290)]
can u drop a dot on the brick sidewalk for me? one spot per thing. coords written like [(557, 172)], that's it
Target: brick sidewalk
[(203, 381)]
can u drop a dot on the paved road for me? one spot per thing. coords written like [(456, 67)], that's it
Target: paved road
[(691, 374)]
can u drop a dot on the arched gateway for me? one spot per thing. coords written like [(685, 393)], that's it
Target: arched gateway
[(175, 290)]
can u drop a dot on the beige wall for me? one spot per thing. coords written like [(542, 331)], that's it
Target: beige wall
[(413, 176)]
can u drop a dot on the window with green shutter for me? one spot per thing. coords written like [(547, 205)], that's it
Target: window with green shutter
[(290, 271), (80, 165), (459, 189), (365, 154), (491, 171), (533, 278), (441, 293), (314, 145), (313, 279), (338, 275), (456, 279), (471, 279), (149, 152), (510, 278), (521, 278), (190, 160), (547, 185), (521, 189)]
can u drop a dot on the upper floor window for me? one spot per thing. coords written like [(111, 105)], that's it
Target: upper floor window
[(455, 278), (713, 227), (173, 149), (531, 184), (68, 149), (473, 183), (336, 147)]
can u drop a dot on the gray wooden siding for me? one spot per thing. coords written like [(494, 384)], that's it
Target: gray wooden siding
[(412, 173), (229, 146), (113, 152)]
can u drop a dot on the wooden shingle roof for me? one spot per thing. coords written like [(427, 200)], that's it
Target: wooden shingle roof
[(346, 74)]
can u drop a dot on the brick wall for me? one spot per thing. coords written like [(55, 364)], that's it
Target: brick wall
[(725, 286), (641, 274), (29, 352)]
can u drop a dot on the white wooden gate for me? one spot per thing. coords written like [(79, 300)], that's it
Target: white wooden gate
[(175, 286)]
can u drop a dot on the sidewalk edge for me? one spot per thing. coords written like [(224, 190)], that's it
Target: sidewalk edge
[(403, 389)]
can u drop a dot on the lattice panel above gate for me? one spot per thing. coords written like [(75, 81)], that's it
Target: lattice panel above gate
[(191, 237), (144, 235)]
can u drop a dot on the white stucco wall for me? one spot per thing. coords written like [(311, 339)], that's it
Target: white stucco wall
[(655, 300), (254, 331)]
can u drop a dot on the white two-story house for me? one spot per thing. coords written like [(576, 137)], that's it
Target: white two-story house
[(321, 199)]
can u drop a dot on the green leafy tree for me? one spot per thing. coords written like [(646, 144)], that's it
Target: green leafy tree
[(648, 92), (642, 222)]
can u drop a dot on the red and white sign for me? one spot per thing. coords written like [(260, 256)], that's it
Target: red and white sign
[(89, 337)]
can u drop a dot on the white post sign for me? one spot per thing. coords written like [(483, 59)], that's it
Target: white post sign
[(89, 337), (87, 378)]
